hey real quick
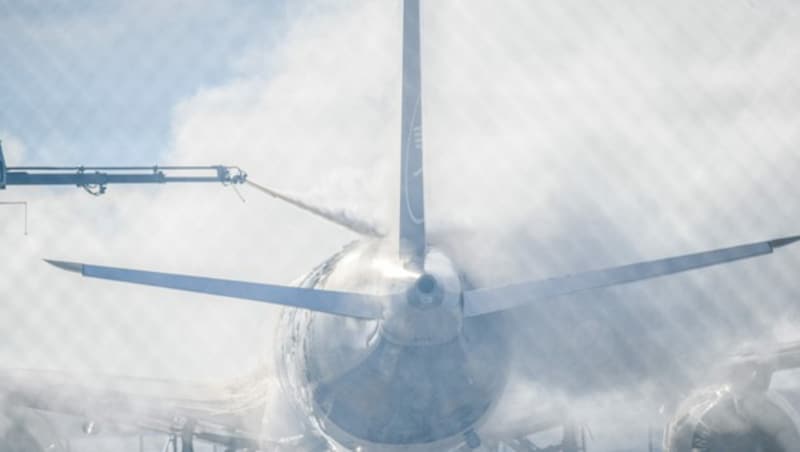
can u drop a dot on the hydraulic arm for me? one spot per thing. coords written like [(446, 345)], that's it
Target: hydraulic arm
[(95, 179)]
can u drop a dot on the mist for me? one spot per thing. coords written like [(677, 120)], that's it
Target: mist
[(558, 138)]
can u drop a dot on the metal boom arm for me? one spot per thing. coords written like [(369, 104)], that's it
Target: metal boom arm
[(95, 179)]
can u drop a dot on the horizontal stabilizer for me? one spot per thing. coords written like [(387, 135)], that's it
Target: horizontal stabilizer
[(486, 301), (346, 304), (772, 358)]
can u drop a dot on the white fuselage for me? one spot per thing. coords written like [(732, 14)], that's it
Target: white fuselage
[(417, 380)]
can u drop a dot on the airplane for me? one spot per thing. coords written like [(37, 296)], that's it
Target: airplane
[(387, 345)]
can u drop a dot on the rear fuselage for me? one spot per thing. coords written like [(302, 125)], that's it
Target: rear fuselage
[(418, 379)]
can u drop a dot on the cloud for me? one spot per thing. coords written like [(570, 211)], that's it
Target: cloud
[(558, 138), (14, 149)]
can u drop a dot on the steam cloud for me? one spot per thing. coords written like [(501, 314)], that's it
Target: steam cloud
[(558, 138)]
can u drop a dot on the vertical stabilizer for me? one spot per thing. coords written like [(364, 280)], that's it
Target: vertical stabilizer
[(412, 193), (2, 167)]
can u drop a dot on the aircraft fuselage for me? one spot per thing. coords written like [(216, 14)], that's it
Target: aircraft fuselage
[(417, 380)]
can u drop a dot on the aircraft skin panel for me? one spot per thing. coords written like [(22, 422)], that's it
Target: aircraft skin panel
[(359, 388), (409, 394), (346, 304), (412, 193), (486, 301)]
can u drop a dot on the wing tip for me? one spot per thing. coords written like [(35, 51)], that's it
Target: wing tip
[(777, 243), (64, 265)]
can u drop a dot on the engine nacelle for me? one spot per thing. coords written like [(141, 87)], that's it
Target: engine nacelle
[(721, 419)]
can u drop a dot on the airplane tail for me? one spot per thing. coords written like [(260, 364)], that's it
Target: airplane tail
[(412, 193)]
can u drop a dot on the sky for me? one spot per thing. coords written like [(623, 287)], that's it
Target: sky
[(559, 137), (98, 80)]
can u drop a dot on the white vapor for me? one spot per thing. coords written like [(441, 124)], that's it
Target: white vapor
[(558, 137)]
